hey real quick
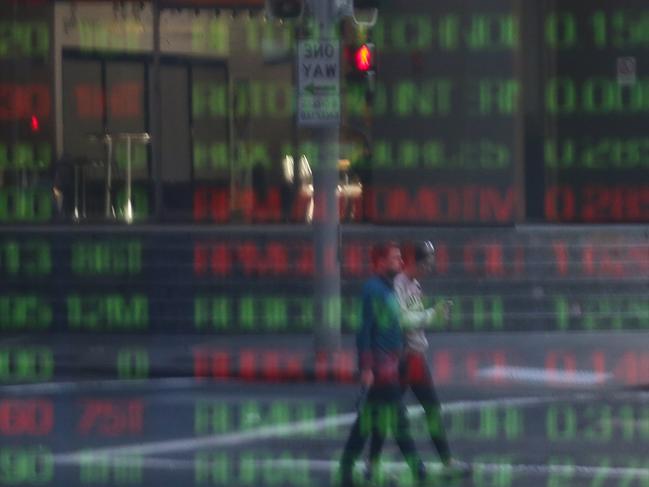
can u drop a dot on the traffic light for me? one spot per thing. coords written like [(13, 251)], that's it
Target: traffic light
[(364, 58), (34, 124), (361, 67), (284, 9), (361, 60)]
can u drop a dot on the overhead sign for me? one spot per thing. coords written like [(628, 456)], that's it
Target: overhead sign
[(318, 83)]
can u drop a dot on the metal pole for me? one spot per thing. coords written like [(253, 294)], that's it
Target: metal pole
[(156, 114), (128, 213), (109, 173), (326, 219), (326, 241)]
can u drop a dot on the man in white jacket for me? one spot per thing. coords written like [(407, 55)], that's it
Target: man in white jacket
[(415, 318)]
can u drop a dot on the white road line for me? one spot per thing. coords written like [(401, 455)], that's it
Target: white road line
[(397, 467), (291, 429), (544, 376), (193, 443), (392, 468)]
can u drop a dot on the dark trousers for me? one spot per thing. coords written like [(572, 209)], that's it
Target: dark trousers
[(416, 374), (382, 411)]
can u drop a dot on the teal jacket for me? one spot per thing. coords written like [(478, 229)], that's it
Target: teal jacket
[(380, 339)]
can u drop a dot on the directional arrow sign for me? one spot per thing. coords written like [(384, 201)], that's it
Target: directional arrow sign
[(318, 83), (320, 90)]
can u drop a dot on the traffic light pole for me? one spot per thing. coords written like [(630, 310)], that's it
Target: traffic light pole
[(326, 216), (326, 241)]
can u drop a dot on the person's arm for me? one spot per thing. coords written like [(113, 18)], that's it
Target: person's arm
[(410, 318)]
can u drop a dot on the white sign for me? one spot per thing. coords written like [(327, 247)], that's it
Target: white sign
[(318, 83), (626, 71)]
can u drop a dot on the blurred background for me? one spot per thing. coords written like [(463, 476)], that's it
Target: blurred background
[(189, 190)]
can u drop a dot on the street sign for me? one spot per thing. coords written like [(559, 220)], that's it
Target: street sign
[(318, 83)]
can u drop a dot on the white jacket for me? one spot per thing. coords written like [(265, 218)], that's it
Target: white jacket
[(414, 317)]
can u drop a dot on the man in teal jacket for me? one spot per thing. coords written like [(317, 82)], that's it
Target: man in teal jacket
[(415, 372), (380, 348)]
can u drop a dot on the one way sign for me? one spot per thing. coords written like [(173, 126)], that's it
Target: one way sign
[(318, 83)]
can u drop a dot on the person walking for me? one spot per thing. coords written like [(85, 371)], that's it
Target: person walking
[(380, 347), (415, 373)]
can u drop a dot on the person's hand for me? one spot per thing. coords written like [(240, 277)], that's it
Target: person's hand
[(443, 309), (367, 377)]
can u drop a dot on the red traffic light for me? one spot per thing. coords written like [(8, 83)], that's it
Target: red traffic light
[(34, 124), (364, 58)]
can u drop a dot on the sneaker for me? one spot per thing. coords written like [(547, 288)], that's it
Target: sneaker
[(369, 472), (421, 473)]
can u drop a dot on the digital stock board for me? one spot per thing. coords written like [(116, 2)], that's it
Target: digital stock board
[(464, 106), (453, 99), (233, 312), (27, 112), (227, 283), (596, 106), (130, 319)]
